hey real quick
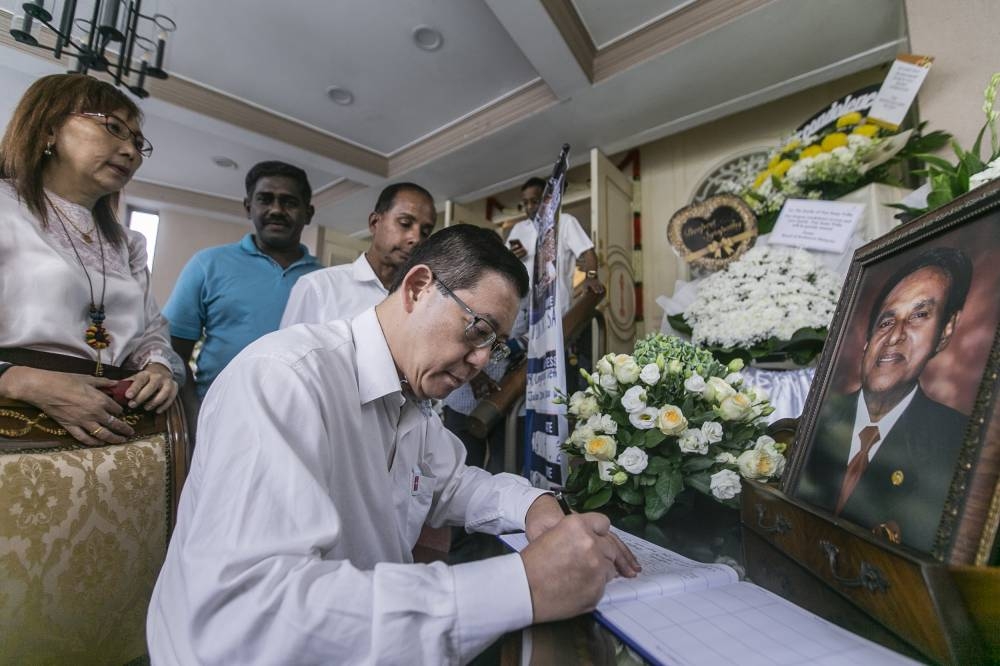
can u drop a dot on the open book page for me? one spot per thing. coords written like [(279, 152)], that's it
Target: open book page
[(663, 571), (678, 611), (737, 624)]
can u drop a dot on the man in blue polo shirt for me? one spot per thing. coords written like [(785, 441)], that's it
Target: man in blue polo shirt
[(234, 294)]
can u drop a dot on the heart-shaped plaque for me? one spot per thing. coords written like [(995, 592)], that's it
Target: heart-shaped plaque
[(714, 232)]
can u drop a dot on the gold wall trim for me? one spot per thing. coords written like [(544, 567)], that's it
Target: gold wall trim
[(177, 196), (333, 193), (569, 24), (668, 33), (532, 98), (221, 106)]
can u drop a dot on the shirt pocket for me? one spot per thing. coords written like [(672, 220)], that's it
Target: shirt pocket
[(418, 506)]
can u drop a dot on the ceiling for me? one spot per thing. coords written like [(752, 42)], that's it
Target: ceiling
[(510, 82)]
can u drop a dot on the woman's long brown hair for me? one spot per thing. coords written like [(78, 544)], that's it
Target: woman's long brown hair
[(45, 106)]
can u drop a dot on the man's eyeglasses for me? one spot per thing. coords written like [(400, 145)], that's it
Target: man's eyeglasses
[(117, 128), (479, 332)]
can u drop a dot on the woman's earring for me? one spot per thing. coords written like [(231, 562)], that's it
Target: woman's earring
[(48, 149)]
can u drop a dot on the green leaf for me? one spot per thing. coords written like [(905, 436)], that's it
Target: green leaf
[(701, 482), (655, 508), (651, 438), (668, 485), (598, 500), (679, 324), (936, 161), (658, 465), (629, 495), (697, 464), (595, 483)]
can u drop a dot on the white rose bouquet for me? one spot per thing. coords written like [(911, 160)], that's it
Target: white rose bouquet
[(667, 417)]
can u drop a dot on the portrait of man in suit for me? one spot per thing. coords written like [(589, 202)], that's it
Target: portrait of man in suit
[(883, 456)]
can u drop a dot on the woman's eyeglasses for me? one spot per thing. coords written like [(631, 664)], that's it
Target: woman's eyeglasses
[(117, 128)]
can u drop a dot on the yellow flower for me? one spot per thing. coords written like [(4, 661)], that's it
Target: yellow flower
[(791, 145), (811, 151), (782, 167), (761, 177), (600, 447), (671, 420), (773, 162), (848, 119), (831, 141), (866, 130)]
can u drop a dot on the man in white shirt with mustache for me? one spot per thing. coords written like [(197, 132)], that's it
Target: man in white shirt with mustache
[(403, 218)]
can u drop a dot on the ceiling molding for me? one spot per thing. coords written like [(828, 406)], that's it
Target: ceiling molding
[(530, 99), (226, 108), (567, 20), (182, 198), (221, 106), (333, 193), (667, 33)]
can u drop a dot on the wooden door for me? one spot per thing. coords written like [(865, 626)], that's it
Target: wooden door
[(614, 239)]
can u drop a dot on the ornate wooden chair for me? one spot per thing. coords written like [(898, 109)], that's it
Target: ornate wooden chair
[(83, 533)]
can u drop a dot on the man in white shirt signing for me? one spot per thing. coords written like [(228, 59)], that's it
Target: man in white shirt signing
[(319, 461)]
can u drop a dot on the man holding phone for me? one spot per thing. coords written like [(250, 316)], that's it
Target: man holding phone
[(573, 246)]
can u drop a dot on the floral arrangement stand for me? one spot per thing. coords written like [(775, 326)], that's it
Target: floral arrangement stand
[(910, 595), (666, 418)]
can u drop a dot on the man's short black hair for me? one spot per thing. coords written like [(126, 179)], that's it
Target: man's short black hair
[(459, 255), (534, 181), (388, 196), (275, 168), (951, 261)]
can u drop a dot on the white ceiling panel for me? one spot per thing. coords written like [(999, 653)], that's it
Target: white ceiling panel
[(284, 57)]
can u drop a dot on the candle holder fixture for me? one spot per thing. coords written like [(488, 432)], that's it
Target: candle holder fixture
[(112, 21)]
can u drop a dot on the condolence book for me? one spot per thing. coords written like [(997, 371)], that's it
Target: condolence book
[(678, 611)]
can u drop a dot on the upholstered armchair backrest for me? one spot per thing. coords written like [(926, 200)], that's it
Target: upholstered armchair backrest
[(83, 533)]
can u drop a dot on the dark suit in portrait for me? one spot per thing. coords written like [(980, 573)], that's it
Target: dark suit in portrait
[(907, 481)]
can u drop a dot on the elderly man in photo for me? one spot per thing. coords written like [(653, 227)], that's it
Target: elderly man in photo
[(319, 463), (884, 457)]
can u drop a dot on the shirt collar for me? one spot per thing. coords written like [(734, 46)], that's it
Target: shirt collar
[(377, 376), (362, 271), (886, 423), (248, 245)]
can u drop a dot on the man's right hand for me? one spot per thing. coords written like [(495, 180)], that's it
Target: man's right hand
[(518, 249), (569, 565)]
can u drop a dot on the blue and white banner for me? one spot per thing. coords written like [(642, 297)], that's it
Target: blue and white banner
[(545, 422)]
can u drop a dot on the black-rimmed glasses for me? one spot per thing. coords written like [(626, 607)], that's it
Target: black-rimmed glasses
[(479, 332), (117, 128)]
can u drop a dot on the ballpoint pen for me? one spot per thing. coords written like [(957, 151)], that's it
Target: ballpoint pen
[(563, 504)]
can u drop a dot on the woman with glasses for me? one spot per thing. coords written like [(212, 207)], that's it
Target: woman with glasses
[(74, 289)]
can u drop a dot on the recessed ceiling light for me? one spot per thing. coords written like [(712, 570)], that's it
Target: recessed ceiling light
[(225, 162), (427, 38), (341, 96)]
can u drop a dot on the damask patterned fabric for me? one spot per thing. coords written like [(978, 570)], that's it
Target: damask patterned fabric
[(83, 532)]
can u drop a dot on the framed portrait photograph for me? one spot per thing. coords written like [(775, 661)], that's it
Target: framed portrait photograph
[(900, 433)]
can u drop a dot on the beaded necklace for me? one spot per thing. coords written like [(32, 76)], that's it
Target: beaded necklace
[(96, 336)]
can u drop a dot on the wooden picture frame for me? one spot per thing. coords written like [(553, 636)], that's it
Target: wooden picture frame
[(931, 485)]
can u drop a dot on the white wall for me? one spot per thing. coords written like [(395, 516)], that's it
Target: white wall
[(962, 37)]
